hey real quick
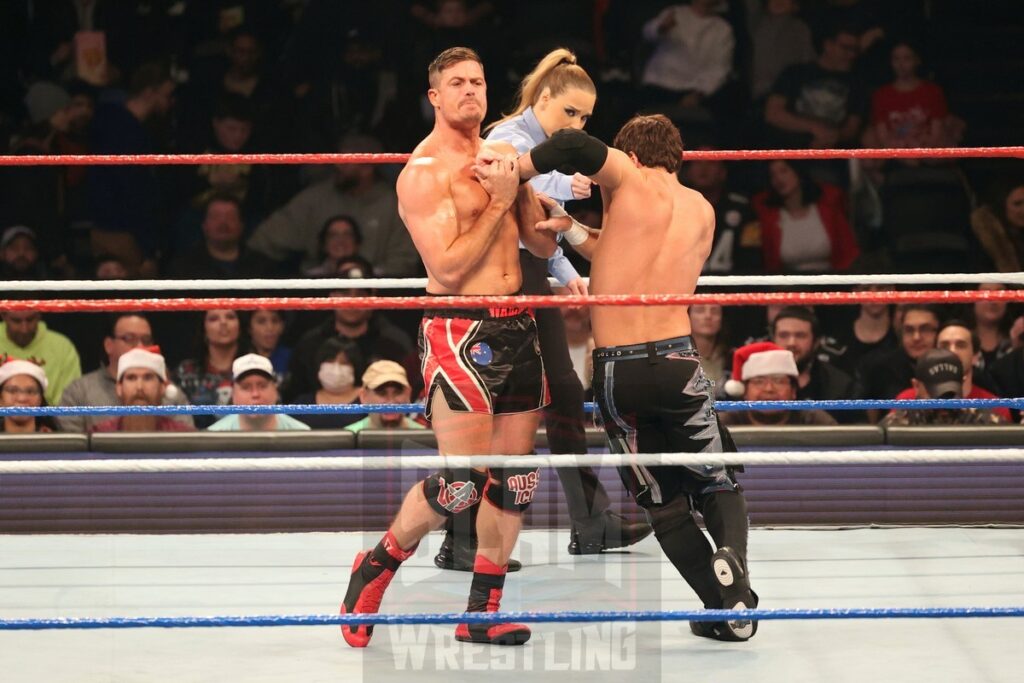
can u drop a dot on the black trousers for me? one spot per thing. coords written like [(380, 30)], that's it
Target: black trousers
[(563, 417)]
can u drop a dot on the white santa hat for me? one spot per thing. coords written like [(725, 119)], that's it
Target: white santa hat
[(22, 367), (145, 357), (759, 360)]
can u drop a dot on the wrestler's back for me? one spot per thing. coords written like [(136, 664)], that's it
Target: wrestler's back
[(656, 236), (498, 271)]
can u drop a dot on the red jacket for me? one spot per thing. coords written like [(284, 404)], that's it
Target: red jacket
[(831, 206), (976, 392)]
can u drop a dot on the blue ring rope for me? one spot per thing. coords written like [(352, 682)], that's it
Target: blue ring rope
[(363, 409), (505, 617)]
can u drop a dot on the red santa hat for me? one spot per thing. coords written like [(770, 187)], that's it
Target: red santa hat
[(758, 360)]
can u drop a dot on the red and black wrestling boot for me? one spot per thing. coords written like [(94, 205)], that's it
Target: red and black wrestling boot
[(485, 596), (371, 573)]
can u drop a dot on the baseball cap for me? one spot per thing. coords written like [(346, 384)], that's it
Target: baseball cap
[(383, 371), (941, 373), (23, 367), (147, 357), (44, 99), (15, 231), (252, 362)]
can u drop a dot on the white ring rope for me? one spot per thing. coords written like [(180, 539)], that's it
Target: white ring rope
[(421, 283), (430, 462)]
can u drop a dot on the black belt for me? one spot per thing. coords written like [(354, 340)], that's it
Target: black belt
[(647, 350)]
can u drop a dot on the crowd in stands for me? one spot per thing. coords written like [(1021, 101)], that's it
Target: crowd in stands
[(238, 76)]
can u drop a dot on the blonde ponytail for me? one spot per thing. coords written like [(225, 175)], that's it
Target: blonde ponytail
[(558, 71)]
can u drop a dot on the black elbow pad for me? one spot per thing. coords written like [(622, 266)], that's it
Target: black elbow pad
[(569, 151)]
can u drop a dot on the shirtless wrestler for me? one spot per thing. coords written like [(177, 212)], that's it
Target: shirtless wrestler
[(648, 381), (482, 367)]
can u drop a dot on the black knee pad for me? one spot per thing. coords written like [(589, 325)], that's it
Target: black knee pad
[(449, 491), (512, 488), (569, 151), (671, 515)]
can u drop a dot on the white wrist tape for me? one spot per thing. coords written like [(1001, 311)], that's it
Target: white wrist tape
[(577, 234)]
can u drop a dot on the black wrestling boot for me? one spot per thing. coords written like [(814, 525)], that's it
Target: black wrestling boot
[(461, 556), (734, 585), (607, 532)]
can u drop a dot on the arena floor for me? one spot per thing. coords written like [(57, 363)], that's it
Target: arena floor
[(258, 574)]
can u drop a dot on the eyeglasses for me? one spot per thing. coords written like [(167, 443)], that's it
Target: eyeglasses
[(772, 380), (919, 330), (134, 339), (31, 392)]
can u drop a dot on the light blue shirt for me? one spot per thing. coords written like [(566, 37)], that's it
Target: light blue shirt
[(524, 133), (232, 424)]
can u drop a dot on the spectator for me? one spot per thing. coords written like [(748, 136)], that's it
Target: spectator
[(885, 373), (737, 242), (993, 325), (712, 344), (355, 190), (870, 331), (229, 131), (692, 59), (780, 39), (207, 379), (127, 331), (910, 111), (1008, 374), (22, 384), (19, 255), (818, 104), (340, 238), (254, 384), (797, 330), (803, 223), (1000, 228), (340, 362), (939, 374), (142, 381), (766, 372), (265, 328), (376, 336), (222, 254), (109, 267), (125, 200), (385, 381), (24, 334), (956, 336), (48, 198)]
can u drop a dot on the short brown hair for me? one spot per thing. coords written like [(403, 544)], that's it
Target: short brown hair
[(653, 139), (450, 57)]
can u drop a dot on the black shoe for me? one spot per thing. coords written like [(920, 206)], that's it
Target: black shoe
[(734, 583), (607, 532), (720, 630), (461, 557)]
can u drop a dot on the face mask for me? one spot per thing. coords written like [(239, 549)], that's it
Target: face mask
[(336, 377)]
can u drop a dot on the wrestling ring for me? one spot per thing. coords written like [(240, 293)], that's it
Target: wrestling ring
[(915, 602)]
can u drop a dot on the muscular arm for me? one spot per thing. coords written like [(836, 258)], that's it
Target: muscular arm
[(426, 205), (529, 212)]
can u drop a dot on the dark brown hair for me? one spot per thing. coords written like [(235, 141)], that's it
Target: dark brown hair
[(450, 57), (653, 139)]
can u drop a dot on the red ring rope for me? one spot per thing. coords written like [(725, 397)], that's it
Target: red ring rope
[(337, 158), (535, 301)]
